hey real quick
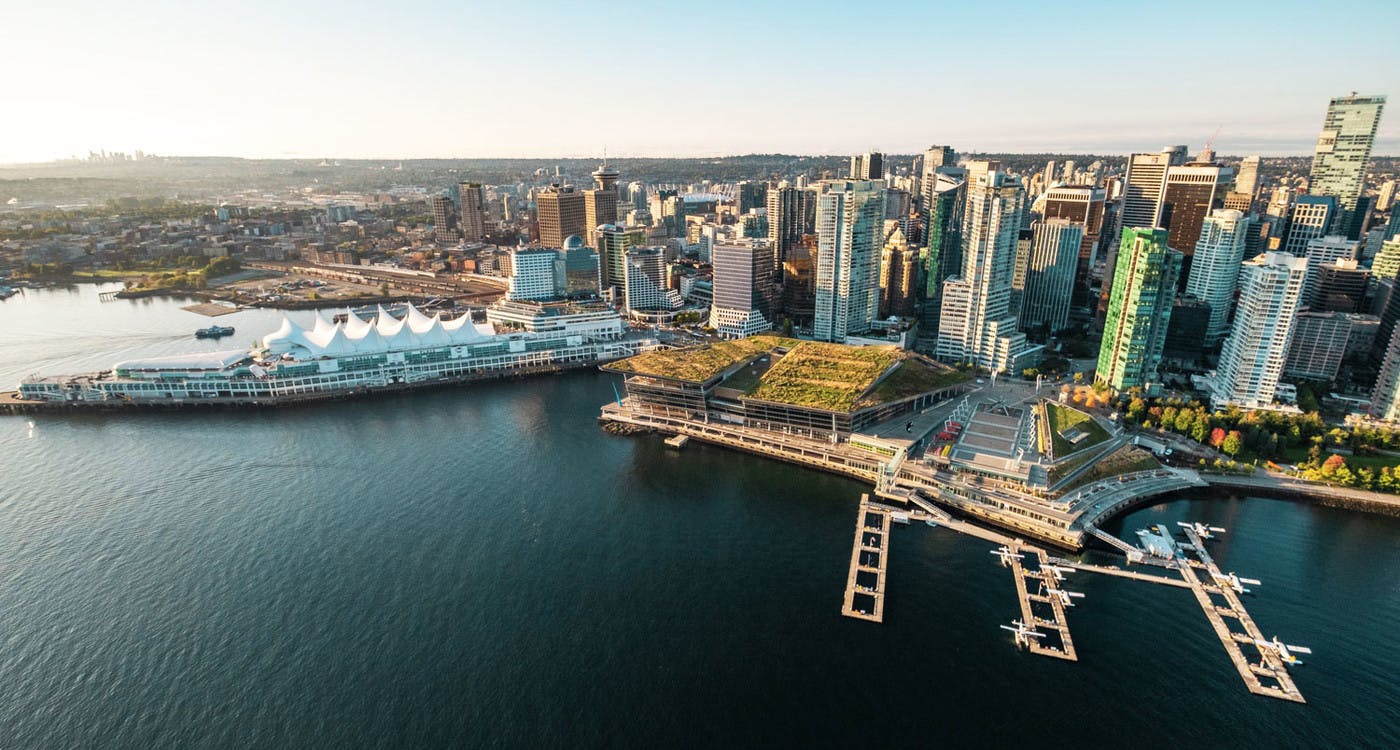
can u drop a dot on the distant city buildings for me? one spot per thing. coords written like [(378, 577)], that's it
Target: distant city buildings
[(561, 213), (472, 213)]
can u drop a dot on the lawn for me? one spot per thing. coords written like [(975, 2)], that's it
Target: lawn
[(1060, 418), (1125, 460), (910, 379)]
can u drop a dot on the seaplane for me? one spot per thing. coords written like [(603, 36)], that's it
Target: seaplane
[(1006, 554), (1203, 531), (1235, 582), (1057, 572), (1024, 634), (1284, 651), (1066, 597)]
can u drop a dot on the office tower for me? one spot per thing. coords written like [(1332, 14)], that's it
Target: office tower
[(444, 219), (561, 213), (1385, 197), (1082, 204), (507, 207), (1339, 286), (1320, 252), (1020, 264), (581, 272), (976, 324), (1252, 359), (1185, 344), (744, 291), (869, 166), (600, 203), (1139, 310), (1309, 218), (899, 273), (472, 197), (1323, 341), (647, 281), (1191, 193), (935, 159), (945, 197), (1049, 173), (613, 243), (1140, 207), (1219, 253), (536, 274), (850, 217), (1050, 270), (791, 215), (1343, 148), (637, 195), (1386, 264), (1247, 180), (1276, 213), (751, 195)]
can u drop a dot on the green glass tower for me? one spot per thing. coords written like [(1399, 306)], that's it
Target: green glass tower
[(1139, 308), (942, 239)]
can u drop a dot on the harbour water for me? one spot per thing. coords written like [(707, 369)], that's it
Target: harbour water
[(483, 566)]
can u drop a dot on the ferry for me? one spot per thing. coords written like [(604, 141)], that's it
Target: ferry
[(214, 332), (384, 352)]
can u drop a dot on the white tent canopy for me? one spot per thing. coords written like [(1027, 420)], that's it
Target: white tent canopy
[(383, 334)]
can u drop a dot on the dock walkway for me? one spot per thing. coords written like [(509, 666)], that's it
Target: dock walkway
[(1270, 667), (865, 584), (1043, 580)]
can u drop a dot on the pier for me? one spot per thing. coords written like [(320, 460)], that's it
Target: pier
[(1045, 584), (677, 441), (865, 585), (1269, 677)]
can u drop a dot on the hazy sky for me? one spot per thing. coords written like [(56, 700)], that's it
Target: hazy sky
[(405, 78)]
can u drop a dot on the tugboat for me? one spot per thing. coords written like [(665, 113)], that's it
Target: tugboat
[(214, 332)]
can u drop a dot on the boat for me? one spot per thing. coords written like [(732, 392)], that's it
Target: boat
[(7, 292), (214, 332)]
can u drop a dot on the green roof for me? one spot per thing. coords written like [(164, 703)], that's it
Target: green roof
[(825, 376), (699, 363)]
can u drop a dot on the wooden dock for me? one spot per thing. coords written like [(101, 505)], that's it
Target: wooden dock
[(1110, 570), (1269, 677), (1042, 579), (677, 441), (865, 585)]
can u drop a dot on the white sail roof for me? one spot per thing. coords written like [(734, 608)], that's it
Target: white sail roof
[(382, 335)]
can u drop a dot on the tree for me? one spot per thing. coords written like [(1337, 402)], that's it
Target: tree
[(1136, 408), (1233, 443), (1217, 436)]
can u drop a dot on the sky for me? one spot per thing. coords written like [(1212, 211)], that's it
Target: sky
[(403, 79)]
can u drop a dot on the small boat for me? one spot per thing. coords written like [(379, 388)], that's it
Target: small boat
[(214, 332)]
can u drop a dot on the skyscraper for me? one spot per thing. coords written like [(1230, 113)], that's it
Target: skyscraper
[(472, 197), (1141, 205), (444, 219), (561, 213), (1191, 193), (1271, 292), (1309, 217), (743, 288), (647, 281), (1321, 252), (613, 242), (600, 203), (537, 273), (898, 273), (945, 196), (1219, 253), (1139, 310), (1055, 245), (1083, 204), (791, 214), (1247, 181), (850, 217), (869, 166), (1344, 146), (1385, 397), (976, 324)]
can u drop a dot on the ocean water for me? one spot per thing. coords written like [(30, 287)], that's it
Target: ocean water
[(483, 566)]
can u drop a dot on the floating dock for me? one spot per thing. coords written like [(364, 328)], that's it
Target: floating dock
[(1043, 580), (1269, 677), (677, 441), (865, 585)]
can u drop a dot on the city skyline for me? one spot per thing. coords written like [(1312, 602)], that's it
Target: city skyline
[(345, 82)]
